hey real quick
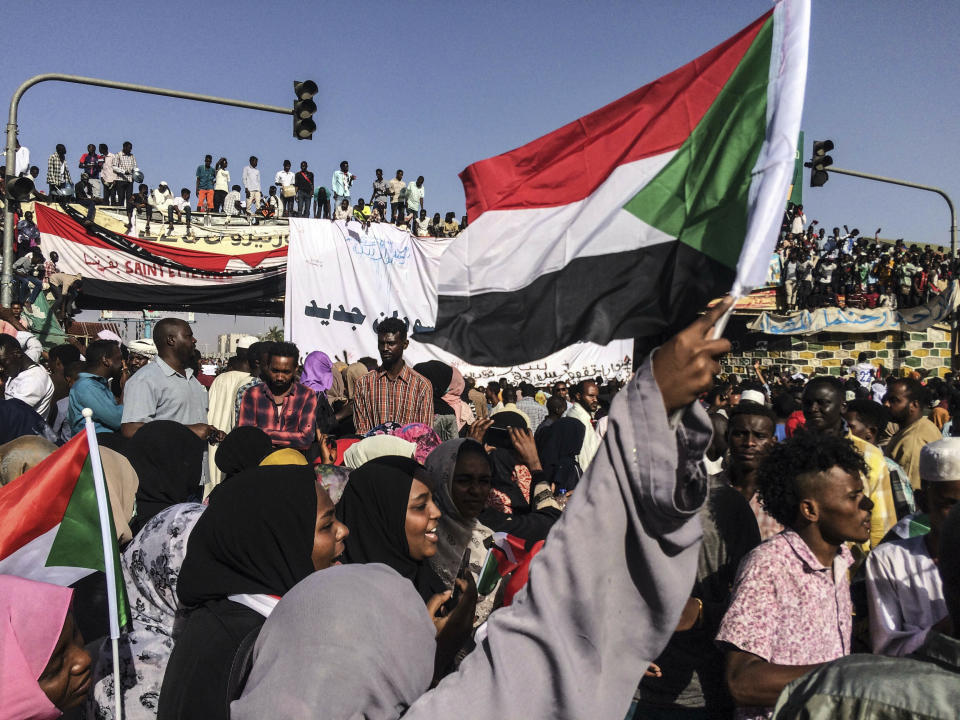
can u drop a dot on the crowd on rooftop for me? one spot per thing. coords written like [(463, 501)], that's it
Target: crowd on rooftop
[(846, 269), (115, 179), (308, 538)]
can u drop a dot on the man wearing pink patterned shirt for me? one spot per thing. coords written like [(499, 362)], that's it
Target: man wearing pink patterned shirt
[(791, 609)]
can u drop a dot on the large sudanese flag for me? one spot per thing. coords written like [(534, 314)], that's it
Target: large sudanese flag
[(50, 523), (624, 223)]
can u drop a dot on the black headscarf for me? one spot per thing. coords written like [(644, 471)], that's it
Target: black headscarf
[(115, 441), (504, 460), (374, 507), (168, 458), (242, 449), (440, 376), (558, 447), (255, 537)]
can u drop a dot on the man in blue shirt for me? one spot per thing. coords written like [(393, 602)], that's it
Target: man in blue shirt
[(92, 388)]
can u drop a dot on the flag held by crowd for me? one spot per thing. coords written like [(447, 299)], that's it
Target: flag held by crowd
[(623, 223), (509, 555), (51, 530)]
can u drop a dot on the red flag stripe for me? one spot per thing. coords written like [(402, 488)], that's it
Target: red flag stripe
[(569, 164), (36, 501)]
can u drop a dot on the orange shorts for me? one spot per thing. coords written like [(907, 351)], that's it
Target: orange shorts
[(204, 198)]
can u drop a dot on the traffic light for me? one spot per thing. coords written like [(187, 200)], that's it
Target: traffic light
[(304, 108), (819, 163)]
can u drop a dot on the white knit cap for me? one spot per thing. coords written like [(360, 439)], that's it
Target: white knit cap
[(754, 396), (940, 460)]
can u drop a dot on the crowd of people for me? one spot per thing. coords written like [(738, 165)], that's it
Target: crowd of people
[(846, 269), (110, 178), (306, 538)]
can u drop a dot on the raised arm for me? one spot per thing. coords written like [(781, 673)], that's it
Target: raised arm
[(607, 590)]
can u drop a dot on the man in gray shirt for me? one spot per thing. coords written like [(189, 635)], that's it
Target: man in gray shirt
[(166, 388)]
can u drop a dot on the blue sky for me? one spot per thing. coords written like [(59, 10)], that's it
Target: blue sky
[(433, 86)]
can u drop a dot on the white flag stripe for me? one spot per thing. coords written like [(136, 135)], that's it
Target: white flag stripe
[(544, 240), (30, 561), (773, 171)]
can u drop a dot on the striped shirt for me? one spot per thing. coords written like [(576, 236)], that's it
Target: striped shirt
[(408, 399)]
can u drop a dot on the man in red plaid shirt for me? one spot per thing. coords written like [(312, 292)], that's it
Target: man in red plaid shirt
[(283, 408), (392, 392)]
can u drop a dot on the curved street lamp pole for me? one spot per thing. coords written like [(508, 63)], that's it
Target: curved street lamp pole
[(6, 279)]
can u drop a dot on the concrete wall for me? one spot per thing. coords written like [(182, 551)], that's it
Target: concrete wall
[(834, 353)]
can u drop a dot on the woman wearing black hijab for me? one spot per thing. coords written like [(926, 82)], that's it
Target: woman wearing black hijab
[(440, 376), (521, 500), (264, 531), (168, 458), (388, 506), (558, 447), (242, 449)]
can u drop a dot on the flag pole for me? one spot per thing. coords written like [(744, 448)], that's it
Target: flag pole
[(721, 324), (109, 563)]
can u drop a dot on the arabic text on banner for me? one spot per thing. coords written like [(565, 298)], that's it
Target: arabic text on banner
[(875, 320), (343, 279)]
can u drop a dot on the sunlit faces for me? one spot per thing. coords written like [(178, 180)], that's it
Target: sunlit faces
[(897, 401), (329, 533), (836, 502), (590, 397), (472, 480), (280, 373), (421, 522), (750, 437), (391, 347), (184, 341), (67, 678), (822, 406)]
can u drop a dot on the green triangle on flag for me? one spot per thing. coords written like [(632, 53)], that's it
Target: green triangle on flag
[(78, 542), (700, 196)]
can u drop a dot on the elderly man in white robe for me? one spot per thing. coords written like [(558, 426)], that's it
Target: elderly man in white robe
[(904, 589)]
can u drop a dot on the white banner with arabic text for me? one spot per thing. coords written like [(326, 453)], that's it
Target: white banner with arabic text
[(343, 279)]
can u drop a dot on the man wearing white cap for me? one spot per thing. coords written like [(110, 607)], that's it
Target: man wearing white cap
[(904, 588), (141, 352)]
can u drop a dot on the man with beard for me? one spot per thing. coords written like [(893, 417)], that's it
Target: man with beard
[(282, 407), (586, 400), (166, 387), (906, 403), (392, 392), (750, 434), (823, 408), (93, 388)]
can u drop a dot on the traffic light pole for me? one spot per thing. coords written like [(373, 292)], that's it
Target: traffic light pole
[(6, 279), (953, 236)]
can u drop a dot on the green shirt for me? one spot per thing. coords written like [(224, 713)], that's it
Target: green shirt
[(926, 685)]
